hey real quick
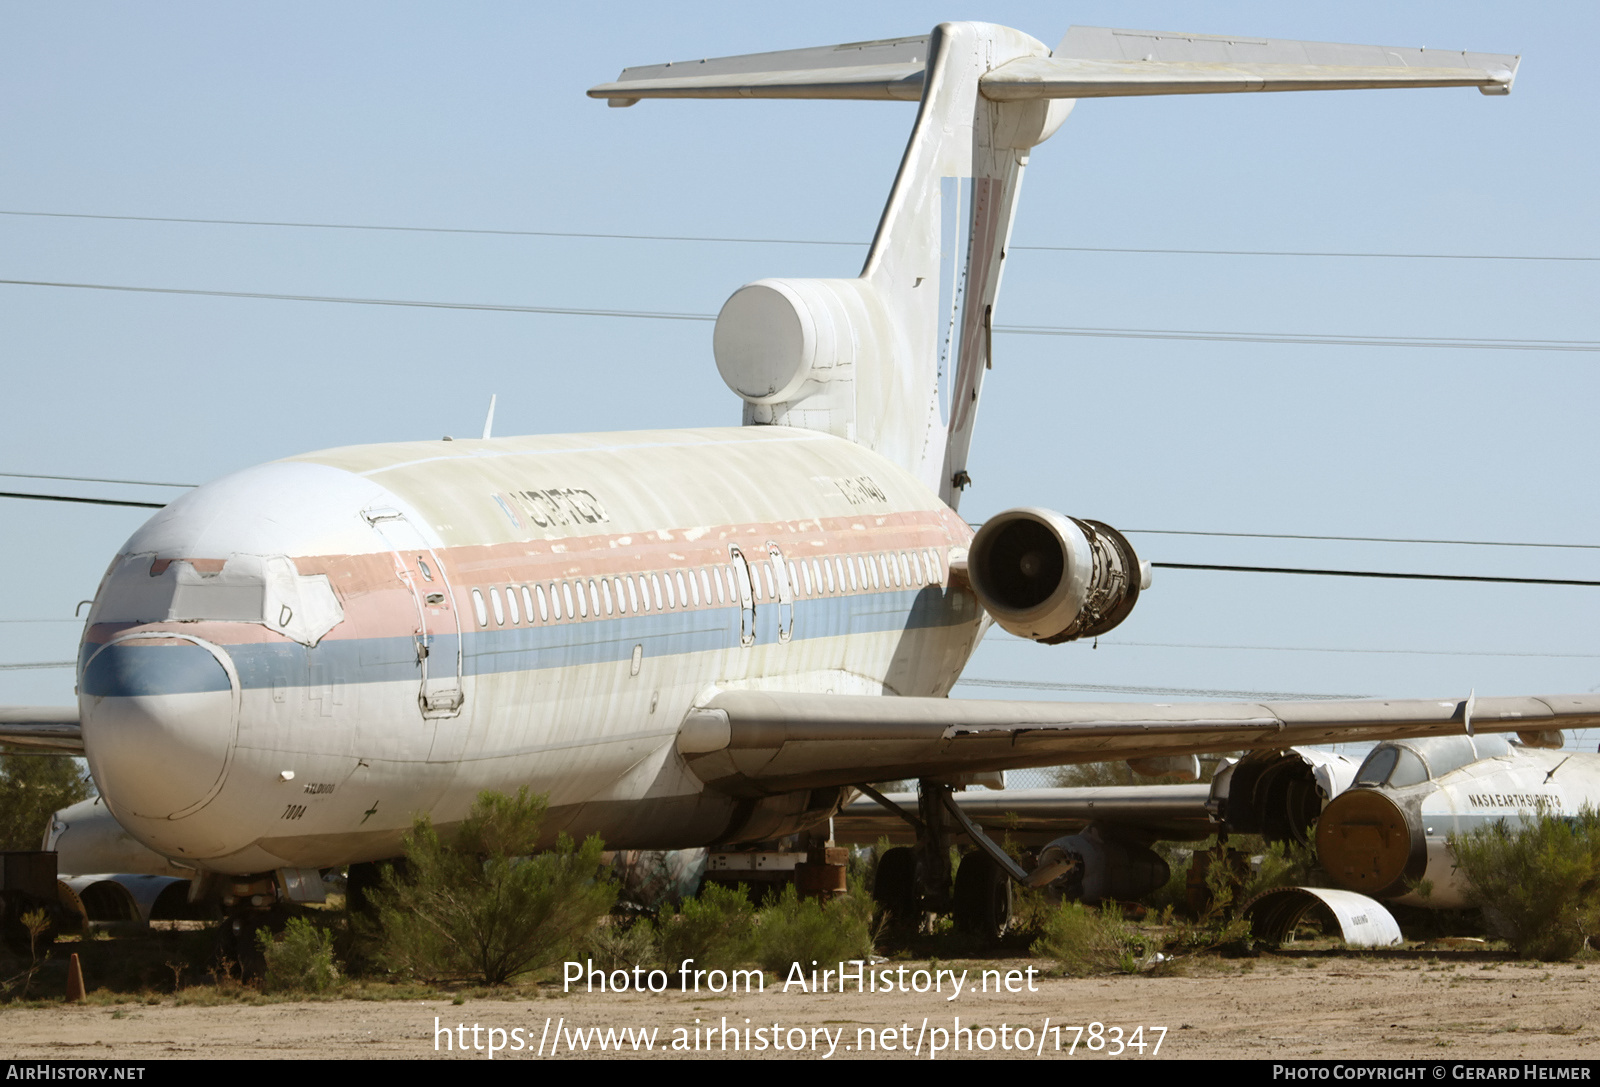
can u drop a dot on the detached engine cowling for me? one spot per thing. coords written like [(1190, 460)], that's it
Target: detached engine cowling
[(1053, 578)]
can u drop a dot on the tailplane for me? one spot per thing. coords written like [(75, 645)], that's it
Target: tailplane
[(895, 358)]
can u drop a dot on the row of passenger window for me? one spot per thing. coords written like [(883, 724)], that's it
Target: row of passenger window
[(764, 581)]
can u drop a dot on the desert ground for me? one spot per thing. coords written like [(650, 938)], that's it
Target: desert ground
[(1437, 1008)]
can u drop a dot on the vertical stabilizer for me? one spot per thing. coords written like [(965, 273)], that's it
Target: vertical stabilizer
[(895, 358)]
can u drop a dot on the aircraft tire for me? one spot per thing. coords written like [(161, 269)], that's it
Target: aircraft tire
[(982, 897), (894, 887)]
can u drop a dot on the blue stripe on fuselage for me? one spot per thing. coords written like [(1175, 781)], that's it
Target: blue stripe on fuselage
[(128, 669)]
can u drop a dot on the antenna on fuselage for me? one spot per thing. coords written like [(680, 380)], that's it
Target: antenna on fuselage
[(488, 420)]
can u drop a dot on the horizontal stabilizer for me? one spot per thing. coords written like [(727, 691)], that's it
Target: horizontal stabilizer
[(1095, 62), (41, 728), (1090, 62), (880, 70)]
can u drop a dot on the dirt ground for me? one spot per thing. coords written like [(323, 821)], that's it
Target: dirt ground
[(1276, 1006)]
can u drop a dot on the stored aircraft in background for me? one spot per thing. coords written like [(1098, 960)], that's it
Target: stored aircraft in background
[(685, 637)]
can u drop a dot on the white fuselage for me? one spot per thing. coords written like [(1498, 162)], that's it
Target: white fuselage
[(285, 667)]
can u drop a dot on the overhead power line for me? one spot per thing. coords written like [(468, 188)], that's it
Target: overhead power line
[(85, 501), (1332, 649), (785, 241), (1329, 339), (1109, 688), (1369, 573), (1355, 539), (95, 479)]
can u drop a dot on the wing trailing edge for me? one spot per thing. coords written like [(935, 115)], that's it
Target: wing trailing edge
[(754, 743), (44, 729)]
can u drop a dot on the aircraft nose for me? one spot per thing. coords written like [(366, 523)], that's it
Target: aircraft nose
[(160, 715), (1369, 843)]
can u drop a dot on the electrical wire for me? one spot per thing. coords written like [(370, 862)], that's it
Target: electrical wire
[(1369, 573), (95, 479), (1327, 339), (1110, 688), (1355, 539), (786, 241)]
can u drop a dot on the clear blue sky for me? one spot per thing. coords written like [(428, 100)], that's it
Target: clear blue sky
[(474, 116)]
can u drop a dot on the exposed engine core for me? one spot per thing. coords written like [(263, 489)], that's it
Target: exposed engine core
[(1100, 867), (1053, 578)]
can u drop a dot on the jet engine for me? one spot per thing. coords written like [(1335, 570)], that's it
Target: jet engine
[(1097, 866), (1053, 578)]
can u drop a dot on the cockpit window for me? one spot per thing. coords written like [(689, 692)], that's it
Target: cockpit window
[(1375, 771), (1409, 770), (1392, 765)]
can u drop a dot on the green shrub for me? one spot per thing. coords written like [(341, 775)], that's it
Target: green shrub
[(716, 929), (622, 944), (795, 929), (301, 961), (1082, 940), (1538, 885), (483, 905)]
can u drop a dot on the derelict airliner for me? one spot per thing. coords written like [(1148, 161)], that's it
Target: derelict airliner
[(685, 637)]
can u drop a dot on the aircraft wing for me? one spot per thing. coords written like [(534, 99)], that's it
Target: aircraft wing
[(42, 728), (756, 743), (1174, 812)]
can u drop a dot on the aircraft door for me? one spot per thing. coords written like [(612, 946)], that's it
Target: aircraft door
[(780, 570), (747, 598), (438, 627)]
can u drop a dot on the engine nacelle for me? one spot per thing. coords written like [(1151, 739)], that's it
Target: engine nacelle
[(1101, 868), (779, 340), (1053, 578)]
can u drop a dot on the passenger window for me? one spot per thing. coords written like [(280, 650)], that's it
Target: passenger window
[(916, 569), (594, 596), (605, 590), (794, 579), (499, 609), (682, 594), (511, 604), (935, 567), (772, 586), (733, 583), (655, 586), (694, 589), (544, 612), (850, 568), (477, 607), (705, 583), (583, 605), (872, 570), (672, 600), (805, 572), (566, 594), (633, 594), (827, 569), (527, 603)]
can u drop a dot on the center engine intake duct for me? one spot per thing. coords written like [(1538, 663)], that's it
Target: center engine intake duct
[(1053, 578)]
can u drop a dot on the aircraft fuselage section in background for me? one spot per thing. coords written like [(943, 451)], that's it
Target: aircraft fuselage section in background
[(1389, 835), (285, 666)]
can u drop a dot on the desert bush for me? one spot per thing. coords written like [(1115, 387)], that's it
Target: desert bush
[(1539, 884), (716, 929), (484, 905), (622, 944), (794, 929), (300, 961), (1083, 940)]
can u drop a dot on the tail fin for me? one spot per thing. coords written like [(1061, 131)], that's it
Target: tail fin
[(895, 358)]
